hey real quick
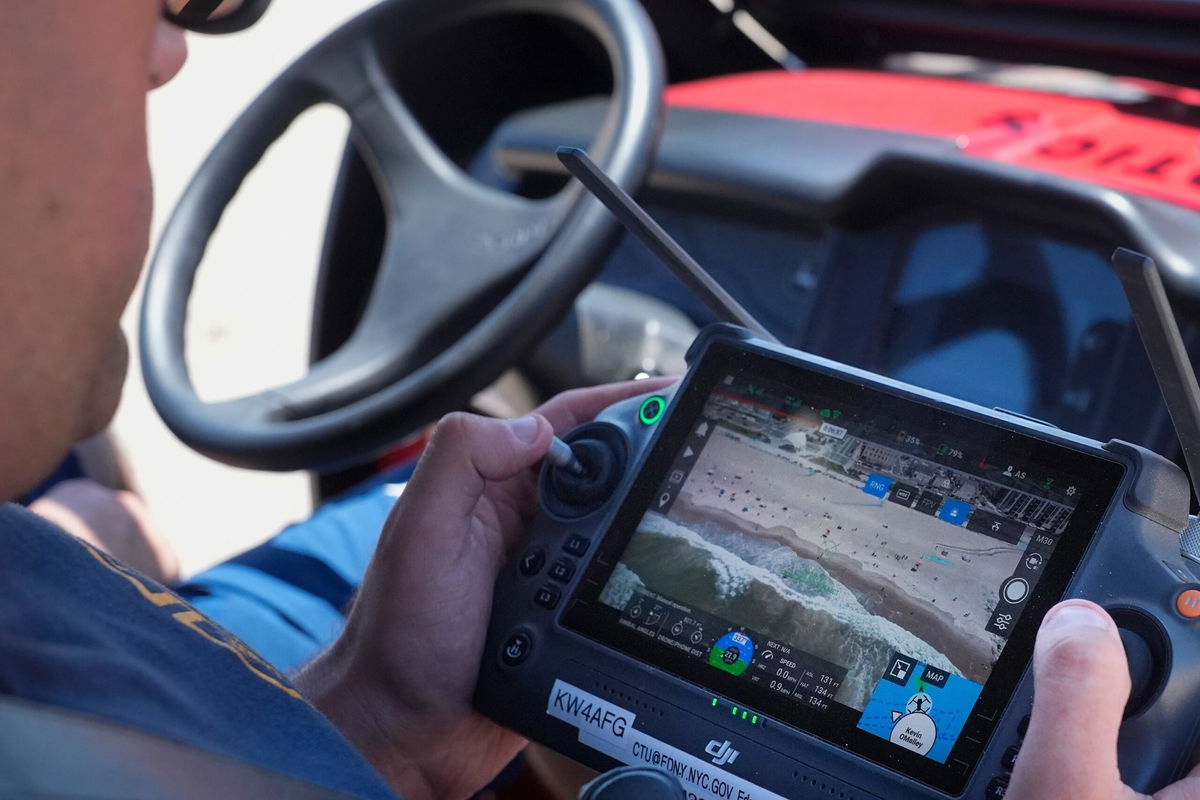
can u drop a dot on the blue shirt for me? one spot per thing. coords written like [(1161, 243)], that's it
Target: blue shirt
[(82, 631)]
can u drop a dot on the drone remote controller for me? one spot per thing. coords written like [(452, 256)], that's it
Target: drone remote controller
[(790, 578)]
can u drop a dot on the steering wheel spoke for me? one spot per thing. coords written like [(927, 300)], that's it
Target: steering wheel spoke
[(417, 180), (460, 260)]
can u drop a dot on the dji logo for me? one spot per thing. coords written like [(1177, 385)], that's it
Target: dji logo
[(722, 752)]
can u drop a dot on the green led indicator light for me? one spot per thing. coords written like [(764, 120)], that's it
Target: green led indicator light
[(652, 410), (754, 720), (714, 702), (744, 713), (734, 712)]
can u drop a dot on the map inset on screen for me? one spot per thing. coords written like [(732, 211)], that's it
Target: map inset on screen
[(815, 552), (919, 707)]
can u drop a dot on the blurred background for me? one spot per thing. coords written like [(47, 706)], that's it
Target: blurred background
[(249, 316)]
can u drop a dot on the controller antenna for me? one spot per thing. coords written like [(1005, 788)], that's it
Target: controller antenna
[(642, 225), (1172, 368)]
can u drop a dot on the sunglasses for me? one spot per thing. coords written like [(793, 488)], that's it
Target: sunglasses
[(214, 16)]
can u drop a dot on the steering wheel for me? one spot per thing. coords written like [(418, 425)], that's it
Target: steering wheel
[(452, 245)]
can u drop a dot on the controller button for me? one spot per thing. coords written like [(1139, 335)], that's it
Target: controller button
[(516, 649), (996, 788), (562, 570), (1187, 603), (547, 597), (532, 561), (652, 410), (1009, 759), (1023, 726), (577, 545)]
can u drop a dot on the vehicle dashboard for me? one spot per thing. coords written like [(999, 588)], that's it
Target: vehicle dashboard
[(898, 254)]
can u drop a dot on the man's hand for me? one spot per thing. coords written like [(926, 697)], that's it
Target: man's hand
[(398, 682), (1081, 686), (114, 521)]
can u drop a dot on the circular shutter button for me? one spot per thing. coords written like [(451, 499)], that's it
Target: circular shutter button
[(1015, 590)]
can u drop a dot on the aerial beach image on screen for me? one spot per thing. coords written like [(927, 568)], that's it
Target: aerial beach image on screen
[(836, 544)]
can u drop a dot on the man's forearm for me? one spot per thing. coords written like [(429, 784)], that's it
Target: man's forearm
[(366, 716)]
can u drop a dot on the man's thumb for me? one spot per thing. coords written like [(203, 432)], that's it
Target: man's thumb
[(466, 451), (1081, 684)]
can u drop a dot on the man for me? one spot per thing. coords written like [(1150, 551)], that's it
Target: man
[(80, 630)]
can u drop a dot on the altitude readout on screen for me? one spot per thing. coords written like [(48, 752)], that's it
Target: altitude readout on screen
[(788, 671)]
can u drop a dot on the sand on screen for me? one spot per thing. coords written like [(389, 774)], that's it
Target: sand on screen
[(781, 544)]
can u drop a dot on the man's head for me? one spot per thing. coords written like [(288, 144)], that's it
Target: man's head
[(74, 214)]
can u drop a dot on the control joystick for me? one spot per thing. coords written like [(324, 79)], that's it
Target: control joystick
[(601, 451), (1148, 651)]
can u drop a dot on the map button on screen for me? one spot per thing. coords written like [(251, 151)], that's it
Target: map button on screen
[(934, 677)]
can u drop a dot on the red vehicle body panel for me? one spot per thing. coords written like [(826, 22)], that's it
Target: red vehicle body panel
[(1090, 140)]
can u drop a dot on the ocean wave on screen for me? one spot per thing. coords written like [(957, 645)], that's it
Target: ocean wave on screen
[(621, 586), (830, 623)]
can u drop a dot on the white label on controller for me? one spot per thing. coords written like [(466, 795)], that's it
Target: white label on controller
[(595, 718), (609, 729)]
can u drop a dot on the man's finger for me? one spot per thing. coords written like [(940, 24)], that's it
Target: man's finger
[(1081, 684), (573, 408)]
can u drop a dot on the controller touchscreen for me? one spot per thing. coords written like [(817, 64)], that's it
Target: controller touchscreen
[(846, 560)]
